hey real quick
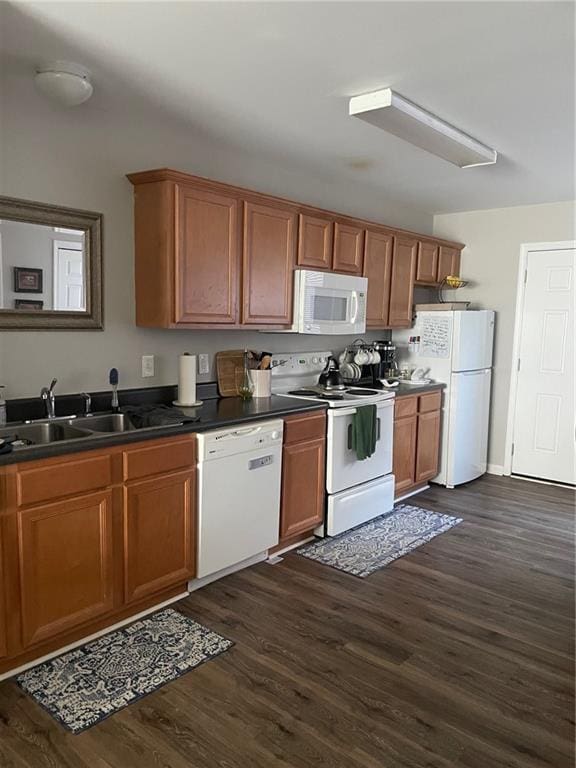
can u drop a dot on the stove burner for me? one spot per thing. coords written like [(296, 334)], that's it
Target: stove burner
[(357, 392), (305, 392)]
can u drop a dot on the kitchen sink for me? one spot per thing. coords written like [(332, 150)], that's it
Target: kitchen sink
[(43, 433), (110, 422), (62, 430)]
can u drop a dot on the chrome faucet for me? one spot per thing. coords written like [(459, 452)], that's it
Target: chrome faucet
[(87, 403), (47, 395)]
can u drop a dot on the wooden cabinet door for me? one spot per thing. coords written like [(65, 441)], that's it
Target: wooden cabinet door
[(448, 262), (378, 270), (268, 264), (3, 617), (66, 565), (159, 534), (315, 240), (402, 281), (303, 472), (404, 454), (427, 263), (207, 257), (428, 445), (348, 249)]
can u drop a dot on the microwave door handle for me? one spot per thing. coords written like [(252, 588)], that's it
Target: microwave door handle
[(354, 303)]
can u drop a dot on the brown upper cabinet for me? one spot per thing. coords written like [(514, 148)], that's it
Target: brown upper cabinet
[(210, 255), (269, 258), (448, 262), (427, 262), (435, 262), (315, 241), (402, 281), (378, 269), (348, 248), (207, 256)]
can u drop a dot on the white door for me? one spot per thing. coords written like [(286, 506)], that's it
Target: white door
[(468, 415), (69, 293), (543, 438)]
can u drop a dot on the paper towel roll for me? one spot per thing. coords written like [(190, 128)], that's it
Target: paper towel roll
[(187, 379)]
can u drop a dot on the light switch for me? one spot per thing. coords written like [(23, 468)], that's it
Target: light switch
[(147, 366), (203, 364)]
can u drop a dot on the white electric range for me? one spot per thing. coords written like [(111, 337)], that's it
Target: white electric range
[(357, 491)]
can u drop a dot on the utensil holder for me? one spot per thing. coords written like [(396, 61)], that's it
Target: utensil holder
[(262, 383)]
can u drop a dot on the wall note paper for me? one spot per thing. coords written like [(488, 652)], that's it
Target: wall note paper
[(435, 336)]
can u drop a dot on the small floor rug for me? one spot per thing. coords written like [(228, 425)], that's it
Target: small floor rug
[(87, 685), (371, 546)]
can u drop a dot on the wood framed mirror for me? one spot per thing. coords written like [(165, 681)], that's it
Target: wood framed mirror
[(50, 267)]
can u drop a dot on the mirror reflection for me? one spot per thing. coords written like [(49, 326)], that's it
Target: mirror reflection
[(42, 267)]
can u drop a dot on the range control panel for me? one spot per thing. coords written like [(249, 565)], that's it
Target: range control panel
[(297, 369)]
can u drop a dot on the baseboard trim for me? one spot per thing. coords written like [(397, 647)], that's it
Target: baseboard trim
[(413, 492), (495, 469)]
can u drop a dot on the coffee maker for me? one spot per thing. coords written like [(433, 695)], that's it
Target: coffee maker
[(387, 367)]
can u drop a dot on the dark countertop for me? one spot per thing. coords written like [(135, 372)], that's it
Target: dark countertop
[(403, 390), (214, 414)]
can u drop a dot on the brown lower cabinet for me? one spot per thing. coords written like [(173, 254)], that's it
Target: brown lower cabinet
[(416, 440), (3, 633), (303, 474), (119, 536)]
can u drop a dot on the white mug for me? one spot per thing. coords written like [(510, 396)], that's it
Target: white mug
[(361, 357)]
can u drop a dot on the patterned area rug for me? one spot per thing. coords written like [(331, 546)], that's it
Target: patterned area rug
[(87, 685), (371, 546)]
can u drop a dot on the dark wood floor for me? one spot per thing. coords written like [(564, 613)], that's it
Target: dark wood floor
[(459, 654)]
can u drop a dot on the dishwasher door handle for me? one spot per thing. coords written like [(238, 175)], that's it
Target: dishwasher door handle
[(246, 431)]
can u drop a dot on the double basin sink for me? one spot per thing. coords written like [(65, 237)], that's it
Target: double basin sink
[(62, 430)]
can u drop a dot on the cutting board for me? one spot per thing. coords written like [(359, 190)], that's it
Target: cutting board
[(227, 364)]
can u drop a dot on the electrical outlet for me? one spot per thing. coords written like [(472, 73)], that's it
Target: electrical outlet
[(147, 366), (203, 364)]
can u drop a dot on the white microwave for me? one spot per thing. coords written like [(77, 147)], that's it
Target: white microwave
[(327, 303)]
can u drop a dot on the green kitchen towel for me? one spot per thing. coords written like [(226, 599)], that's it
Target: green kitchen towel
[(365, 431)]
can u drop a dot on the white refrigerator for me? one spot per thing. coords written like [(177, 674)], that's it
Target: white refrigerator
[(456, 348)]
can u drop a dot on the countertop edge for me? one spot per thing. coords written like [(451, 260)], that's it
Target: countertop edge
[(407, 390)]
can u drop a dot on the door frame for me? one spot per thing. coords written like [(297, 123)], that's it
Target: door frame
[(525, 249)]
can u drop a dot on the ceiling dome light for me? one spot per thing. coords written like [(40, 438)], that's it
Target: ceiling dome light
[(62, 81)]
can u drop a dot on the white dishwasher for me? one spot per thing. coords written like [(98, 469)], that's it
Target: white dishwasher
[(239, 476)]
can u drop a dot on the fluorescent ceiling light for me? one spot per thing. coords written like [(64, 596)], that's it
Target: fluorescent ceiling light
[(387, 110)]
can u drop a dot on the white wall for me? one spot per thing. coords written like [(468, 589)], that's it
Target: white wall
[(490, 263), (79, 157)]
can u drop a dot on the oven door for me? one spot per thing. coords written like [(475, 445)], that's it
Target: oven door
[(343, 469)]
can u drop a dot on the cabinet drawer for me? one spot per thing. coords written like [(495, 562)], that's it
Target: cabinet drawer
[(159, 457), (430, 402), (304, 427), (70, 478), (405, 406)]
